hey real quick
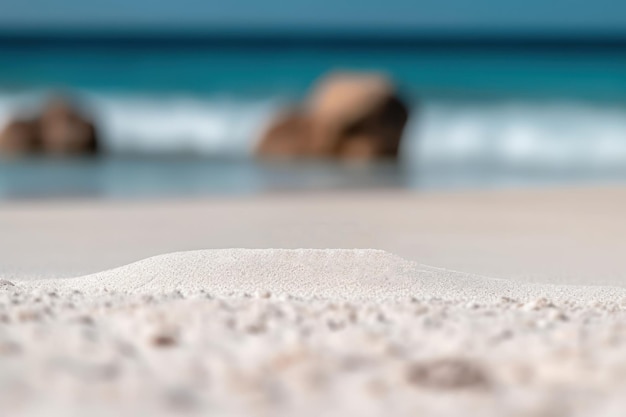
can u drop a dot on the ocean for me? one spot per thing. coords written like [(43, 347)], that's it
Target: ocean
[(180, 117)]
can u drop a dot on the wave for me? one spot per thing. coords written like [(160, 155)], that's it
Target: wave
[(541, 135), (162, 125), (443, 133)]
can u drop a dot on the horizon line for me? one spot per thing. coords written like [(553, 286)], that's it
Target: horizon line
[(292, 37)]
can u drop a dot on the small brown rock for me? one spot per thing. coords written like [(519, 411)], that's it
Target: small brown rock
[(164, 340), (8, 348), (447, 374), (256, 328), (28, 315), (6, 284), (61, 129)]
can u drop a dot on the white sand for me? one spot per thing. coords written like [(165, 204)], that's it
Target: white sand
[(308, 333), (534, 325), (333, 274)]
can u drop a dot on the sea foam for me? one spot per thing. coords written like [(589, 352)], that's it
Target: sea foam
[(565, 136)]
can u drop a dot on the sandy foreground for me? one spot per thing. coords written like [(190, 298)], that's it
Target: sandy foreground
[(485, 304)]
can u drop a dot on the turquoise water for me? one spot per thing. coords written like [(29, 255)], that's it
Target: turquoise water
[(482, 116), (257, 71)]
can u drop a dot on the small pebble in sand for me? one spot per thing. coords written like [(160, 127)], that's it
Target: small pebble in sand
[(164, 339), (537, 304), (8, 348), (335, 325), (256, 328), (83, 319), (181, 398), (28, 315), (382, 318), (147, 299), (447, 374), (507, 300), (68, 305), (420, 310), (557, 315)]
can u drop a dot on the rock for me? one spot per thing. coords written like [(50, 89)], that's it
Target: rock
[(29, 314), (287, 136), (64, 130), (538, 304), (9, 348), (60, 129), (4, 283), (19, 137), (164, 338), (348, 116), (557, 315), (447, 374), (357, 115)]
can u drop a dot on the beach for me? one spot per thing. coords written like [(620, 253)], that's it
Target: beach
[(282, 209), (550, 235), (486, 303)]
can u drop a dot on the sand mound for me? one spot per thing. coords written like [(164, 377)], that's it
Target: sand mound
[(163, 340), (330, 274)]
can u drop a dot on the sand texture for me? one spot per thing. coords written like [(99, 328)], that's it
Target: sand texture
[(308, 333)]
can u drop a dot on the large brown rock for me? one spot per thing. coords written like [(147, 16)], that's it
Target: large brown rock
[(20, 137), (64, 130), (347, 116)]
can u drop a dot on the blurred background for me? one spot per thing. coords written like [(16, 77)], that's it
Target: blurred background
[(136, 98)]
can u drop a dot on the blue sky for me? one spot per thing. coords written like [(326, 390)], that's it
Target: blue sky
[(498, 15)]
